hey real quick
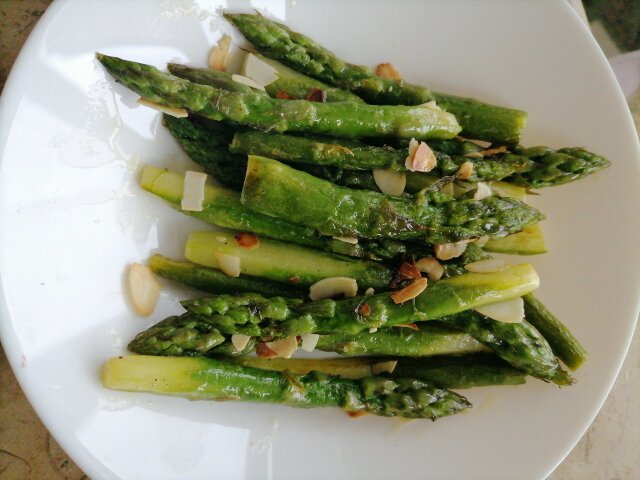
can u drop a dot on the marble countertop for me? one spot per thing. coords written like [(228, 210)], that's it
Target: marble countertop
[(609, 450)]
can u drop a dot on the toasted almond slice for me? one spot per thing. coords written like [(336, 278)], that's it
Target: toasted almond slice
[(448, 189), (490, 265), (413, 146), (263, 351), (284, 348), (493, 151), (508, 311), (384, 367), (351, 240), (447, 251), (369, 291), (193, 191), (259, 70), (239, 341), (249, 82), (373, 330), (465, 171), (473, 155), (247, 240), (409, 292), (390, 183), (386, 70), (431, 267), (144, 289), (229, 264), (174, 112), (309, 341), (333, 286), (411, 326), (483, 191), (220, 54), (422, 160), (480, 143)]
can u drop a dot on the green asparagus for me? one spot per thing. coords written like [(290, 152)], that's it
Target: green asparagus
[(478, 120), (521, 345), (207, 378), (275, 189), (450, 372), (256, 110), (298, 85), (430, 339), (283, 262), (214, 281), (278, 317), (562, 341)]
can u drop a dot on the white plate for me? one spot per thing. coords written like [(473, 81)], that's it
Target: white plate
[(72, 216)]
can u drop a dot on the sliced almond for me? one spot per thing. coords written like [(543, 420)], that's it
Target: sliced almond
[(480, 143), (220, 54), (239, 341), (473, 155), (309, 341), (249, 82), (489, 265), (369, 291), (373, 330), (493, 151), (284, 348), (259, 70), (411, 326), (351, 240), (333, 286), (422, 160), (508, 311), (465, 171), (247, 240), (386, 70), (229, 264), (431, 267), (193, 191), (144, 289), (384, 367), (390, 183), (447, 251), (410, 292), (174, 112), (263, 351), (483, 191), (413, 146)]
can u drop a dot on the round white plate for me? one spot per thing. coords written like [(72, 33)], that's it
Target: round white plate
[(72, 217)]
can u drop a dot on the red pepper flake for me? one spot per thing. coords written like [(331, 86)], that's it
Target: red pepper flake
[(247, 240), (317, 95), (263, 351), (359, 413), (364, 310), (293, 279), (406, 271), (282, 95)]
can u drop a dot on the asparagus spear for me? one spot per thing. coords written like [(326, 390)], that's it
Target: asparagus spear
[(562, 342), (222, 208), (275, 189), (283, 262), (278, 317), (298, 85), (207, 378), (530, 241), (520, 344), (478, 120), (257, 110), (359, 156), (430, 339), (214, 281), (556, 167), (450, 372)]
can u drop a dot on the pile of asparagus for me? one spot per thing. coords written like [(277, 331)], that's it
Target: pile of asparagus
[(296, 168)]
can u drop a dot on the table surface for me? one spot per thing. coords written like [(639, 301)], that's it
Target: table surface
[(609, 449)]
